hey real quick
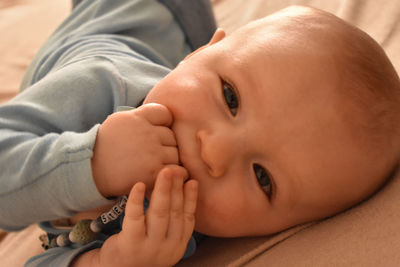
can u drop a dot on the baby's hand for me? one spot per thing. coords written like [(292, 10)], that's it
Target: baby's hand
[(133, 146), (159, 237)]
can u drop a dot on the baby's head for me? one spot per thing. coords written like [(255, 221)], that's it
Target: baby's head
[(292, 118)]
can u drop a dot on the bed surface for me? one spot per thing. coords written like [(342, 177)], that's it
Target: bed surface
[(366, 235)]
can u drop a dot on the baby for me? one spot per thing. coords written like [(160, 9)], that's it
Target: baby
[(290, 119), (283, 122)]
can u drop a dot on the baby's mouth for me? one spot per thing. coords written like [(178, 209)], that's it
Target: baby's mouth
[(189, 177), (186, 151)]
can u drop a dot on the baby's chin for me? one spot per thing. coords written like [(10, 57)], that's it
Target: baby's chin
[(220, 232)]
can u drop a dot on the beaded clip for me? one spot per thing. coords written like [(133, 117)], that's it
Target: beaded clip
[(86, 231)]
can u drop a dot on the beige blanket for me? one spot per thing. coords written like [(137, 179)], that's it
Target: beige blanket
[(365, 235)]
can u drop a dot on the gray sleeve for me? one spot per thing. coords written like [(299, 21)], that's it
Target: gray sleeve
[(61, 256), (48, 131)]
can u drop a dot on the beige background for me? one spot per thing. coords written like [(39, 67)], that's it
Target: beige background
[(366, 235)]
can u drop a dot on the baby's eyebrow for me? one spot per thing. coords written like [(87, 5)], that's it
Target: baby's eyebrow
[(243, 78)]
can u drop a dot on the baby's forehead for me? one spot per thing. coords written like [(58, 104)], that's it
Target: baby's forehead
[(296, 36), (296, 26)]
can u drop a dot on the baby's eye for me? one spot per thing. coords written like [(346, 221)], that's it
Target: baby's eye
[(263, 179), (230, 97)]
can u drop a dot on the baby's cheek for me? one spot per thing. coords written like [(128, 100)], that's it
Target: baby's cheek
[(219, 216)]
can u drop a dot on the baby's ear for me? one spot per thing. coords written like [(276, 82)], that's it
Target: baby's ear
[(219, 34)]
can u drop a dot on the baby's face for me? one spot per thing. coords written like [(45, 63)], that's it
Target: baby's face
[(263, 133)]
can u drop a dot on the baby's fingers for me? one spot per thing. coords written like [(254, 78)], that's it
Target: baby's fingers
[(157, 216), (156, 114), (190, 193), (176, 213), (170, 155), (167, 136), (134, 226)]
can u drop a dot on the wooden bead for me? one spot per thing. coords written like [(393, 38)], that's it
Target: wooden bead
[(63, 240)]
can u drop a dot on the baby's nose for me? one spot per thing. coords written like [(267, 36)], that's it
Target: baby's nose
[(216, 151)]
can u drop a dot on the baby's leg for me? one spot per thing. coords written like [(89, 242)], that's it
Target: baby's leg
[(158, 30)]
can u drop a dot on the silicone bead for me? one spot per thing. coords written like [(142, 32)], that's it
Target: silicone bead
[(82, 234)]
